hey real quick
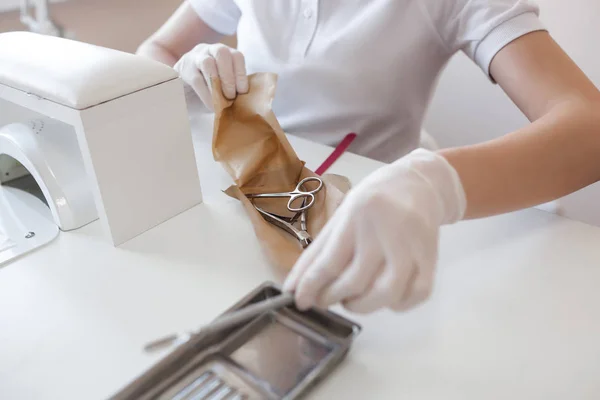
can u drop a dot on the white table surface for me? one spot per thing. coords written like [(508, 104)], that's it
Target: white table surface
[(515, 313)]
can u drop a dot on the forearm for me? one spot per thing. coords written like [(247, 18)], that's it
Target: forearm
[(556, 155), (157, 52), (178, 35)]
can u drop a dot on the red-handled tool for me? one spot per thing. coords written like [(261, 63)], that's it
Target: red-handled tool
[(337, 152)]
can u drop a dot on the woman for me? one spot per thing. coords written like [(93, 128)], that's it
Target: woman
[(370, 67)]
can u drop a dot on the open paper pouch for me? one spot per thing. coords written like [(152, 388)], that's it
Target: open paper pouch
[(252, 147)]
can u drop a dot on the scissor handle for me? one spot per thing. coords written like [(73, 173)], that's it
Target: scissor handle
[(300, 186), (305, 204)]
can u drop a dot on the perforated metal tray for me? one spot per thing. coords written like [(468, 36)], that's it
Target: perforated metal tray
[(278, 355)]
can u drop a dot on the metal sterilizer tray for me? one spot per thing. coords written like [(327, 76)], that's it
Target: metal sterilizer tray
[(278, 355)]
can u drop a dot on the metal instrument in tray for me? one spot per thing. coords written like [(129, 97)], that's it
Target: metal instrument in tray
[(280, 354)]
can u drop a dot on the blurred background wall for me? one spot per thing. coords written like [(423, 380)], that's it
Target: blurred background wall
[(118, 24)]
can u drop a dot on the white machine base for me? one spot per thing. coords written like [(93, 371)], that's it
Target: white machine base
[(126, 119), (26, 221)]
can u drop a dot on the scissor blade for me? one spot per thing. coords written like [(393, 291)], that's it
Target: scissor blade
[(295, 217), (299, 214)]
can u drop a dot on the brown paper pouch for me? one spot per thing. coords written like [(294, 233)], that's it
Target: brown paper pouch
[(252, 147)]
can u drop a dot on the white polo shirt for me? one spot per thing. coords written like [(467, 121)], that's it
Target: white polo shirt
[(364, 66)]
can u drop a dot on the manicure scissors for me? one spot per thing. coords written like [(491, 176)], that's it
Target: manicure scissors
[(296, 194)]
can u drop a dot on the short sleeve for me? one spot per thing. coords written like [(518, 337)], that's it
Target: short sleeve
[(481, 28), (221, 15)]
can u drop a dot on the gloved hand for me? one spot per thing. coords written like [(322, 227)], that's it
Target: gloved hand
[(380, 248), (206, 61)]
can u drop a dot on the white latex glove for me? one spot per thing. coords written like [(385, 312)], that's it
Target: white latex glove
[(380, 248), (206, 61)]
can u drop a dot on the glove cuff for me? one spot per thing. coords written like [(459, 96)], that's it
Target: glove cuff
[(443, 180)]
